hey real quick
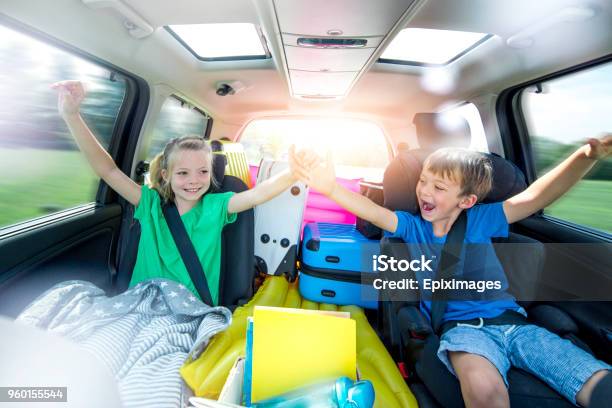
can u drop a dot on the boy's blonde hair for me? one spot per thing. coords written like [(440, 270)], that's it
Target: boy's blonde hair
[(472, 170), (164, 161)]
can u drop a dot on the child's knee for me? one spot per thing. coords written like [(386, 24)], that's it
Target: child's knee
[(483, 390), (597, 391), (481, 384)]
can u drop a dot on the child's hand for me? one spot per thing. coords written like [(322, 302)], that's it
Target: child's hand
[(70, 96), (599, 148), (301, 163), (322, 177)]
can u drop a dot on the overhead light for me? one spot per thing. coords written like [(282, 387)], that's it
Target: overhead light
[(427, 46), (524, 38)]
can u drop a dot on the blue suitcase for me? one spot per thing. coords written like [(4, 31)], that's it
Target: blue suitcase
[(336, 265)]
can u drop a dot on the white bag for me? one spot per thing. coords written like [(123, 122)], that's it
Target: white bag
[(278, 223)]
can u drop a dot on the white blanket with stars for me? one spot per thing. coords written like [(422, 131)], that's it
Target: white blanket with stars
[(142, 335)]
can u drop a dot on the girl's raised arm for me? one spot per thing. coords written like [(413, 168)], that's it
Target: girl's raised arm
[(299, 164), (70, 96)]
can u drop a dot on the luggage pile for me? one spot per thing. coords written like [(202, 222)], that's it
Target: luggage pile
[(206, 375)]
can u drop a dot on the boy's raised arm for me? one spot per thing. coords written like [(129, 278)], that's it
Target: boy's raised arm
[(558, 181), (323, 179)]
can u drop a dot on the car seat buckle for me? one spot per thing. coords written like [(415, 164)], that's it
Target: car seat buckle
[(417, 335), (402, 369)]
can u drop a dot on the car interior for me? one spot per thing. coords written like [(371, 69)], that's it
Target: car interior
[(380, 84)]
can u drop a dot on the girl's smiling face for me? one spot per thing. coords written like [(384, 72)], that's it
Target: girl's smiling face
[(190, 175)]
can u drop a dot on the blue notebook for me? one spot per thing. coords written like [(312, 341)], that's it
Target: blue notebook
[(248, 364)]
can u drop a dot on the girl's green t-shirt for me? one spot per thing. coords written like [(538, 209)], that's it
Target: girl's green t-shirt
[(158, 256)]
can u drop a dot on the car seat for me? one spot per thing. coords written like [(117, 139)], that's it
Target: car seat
[(405, 327), (237, 250)]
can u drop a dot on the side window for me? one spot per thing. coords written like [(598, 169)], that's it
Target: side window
[(176, 119), (41, 168), (560, 115)]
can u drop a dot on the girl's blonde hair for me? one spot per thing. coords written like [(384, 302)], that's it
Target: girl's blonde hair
[(163, 161)]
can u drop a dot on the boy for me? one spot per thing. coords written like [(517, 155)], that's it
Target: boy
[(454, 180)]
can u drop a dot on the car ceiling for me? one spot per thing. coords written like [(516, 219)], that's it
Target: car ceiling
[(386, 92)]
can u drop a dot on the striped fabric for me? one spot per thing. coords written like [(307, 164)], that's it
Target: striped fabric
[(237, 164), (142, 335)]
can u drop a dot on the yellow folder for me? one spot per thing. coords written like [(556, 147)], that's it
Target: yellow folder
[(293, 348)]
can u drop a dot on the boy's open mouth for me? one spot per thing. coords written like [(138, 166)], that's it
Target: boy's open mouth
[(427, 207)]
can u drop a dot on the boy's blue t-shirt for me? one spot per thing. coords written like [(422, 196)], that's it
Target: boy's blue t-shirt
[(478, 262)]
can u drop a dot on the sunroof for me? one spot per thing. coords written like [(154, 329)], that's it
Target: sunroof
[(421, 46), (218, 42)]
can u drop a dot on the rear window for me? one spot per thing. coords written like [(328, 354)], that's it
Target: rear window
[(359, 148), (478, 137)]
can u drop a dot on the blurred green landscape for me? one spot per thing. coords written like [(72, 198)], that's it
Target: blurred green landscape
[(588, 203), (37, 182)]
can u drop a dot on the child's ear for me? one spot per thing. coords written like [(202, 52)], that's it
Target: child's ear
[(164, 174), (468, 201)]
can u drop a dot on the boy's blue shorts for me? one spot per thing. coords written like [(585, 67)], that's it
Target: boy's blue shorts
[(558, 362)]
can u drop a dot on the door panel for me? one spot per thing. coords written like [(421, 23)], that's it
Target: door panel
[(578, 264), (589, 265), (76, 247)]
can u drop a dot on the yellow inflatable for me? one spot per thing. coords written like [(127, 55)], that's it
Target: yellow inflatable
[(206, 374)]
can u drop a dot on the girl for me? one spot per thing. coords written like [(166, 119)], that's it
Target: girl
[(182, 174)]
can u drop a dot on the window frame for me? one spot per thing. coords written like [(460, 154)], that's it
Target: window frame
[(124, 137), (517, 142)]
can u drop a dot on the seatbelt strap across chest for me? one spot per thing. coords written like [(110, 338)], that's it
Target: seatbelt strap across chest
[(187, 251), (449, 261)]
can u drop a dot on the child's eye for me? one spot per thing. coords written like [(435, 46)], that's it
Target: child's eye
[(181, 173), (204, 171), (440, 188)]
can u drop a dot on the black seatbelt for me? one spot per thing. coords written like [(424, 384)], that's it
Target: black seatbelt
[(127, 251), (187, 251), (451, 255), (389, 304)]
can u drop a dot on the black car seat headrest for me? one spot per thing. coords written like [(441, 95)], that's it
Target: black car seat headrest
[(219, 161), (402, 175), (435, 130)]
